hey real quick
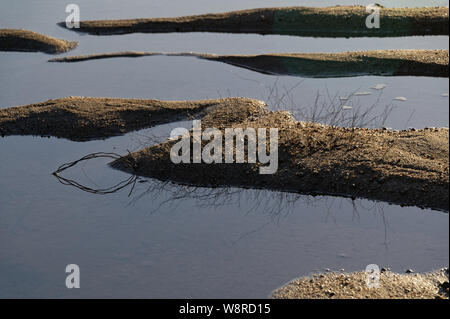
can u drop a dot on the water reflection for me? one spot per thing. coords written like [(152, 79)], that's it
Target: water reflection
[(223, 243), (169, 196), (234, 252), (102, 191)]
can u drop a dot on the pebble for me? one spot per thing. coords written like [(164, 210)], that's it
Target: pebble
[(378, 86), (400, 98)]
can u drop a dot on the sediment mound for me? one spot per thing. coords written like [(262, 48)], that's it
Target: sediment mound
[(432, 285), (84, 118), (29, 41), (408, 167), (433, 63), (338, 21)]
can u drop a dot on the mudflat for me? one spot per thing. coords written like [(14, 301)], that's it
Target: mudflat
[(29, 41), (433, 285), (409, 167), (338, 21), (432, 63), (84, 118)]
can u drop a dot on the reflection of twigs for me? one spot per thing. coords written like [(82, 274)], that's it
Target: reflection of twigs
[(251, 232), (66, 181), (275, 204), (409, 119), (332, 113)]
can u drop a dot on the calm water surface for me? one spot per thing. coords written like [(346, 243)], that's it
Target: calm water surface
[(221, 246)]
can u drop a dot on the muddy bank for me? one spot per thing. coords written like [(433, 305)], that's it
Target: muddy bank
[(433, 63), (82, 118), (87, 57), (432, 285), (381, 63), (339, 21), (403, 167), (29, 41)]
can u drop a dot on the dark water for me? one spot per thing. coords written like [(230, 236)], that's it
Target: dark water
[(218, 246), (221, 245)]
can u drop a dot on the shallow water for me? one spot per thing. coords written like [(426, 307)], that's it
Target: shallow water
[(27, 78), (190, 248), (221, 246)]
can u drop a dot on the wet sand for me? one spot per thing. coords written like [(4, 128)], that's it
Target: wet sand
[(83, 118), (100, 56), (432, 63), (432, 285), (409, 167), (338, 21), (29, 41)]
